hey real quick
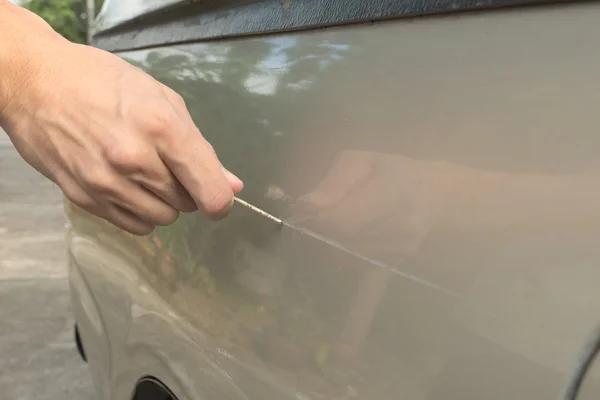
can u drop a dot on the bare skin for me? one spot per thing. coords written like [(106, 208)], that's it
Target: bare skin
[(118, 143)]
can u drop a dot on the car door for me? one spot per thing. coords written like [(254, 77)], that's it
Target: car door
[(439, 181)]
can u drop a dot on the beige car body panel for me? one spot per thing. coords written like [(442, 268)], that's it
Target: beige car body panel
[(441, 176)]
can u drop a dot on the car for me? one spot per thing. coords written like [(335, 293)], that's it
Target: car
[(433, 172)]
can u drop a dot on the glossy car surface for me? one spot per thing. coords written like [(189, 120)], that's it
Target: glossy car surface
[(441, 175)]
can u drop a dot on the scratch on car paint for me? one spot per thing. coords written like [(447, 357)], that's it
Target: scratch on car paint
[(224, 353), (372, 261), (341, 247)]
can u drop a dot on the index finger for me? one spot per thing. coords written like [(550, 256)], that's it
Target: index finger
[(193, 162)]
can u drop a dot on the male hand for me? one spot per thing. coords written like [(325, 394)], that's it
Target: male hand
[(119, 144)]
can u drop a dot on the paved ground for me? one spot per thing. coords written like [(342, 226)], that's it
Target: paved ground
[(38, 359)]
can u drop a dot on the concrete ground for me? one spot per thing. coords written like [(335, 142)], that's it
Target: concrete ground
[(38, 357)]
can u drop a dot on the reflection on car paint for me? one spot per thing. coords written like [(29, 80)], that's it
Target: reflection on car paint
[(457, 151)]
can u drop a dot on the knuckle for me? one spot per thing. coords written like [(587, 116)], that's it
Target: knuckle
[(79, 199), (142, 230), (84, 202), (100, 180), (126, 157), (219, 203), (174, 217), (136, 229), (168, 218), (159, 122), (209, 146), (133, 226), (188, 206), (176, 98)]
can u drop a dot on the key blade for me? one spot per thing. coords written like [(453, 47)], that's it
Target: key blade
[(257, 210)]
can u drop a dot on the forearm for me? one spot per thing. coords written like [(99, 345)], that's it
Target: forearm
[(23, 41)]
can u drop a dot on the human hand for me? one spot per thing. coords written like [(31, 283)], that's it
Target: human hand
[(119, 144)]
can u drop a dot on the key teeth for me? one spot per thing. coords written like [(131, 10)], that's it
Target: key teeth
[(258, 210)]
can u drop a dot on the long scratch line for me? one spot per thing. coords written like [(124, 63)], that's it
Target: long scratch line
[(341, 247)]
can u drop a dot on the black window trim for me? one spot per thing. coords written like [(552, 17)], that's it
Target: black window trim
[(193, 22)]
